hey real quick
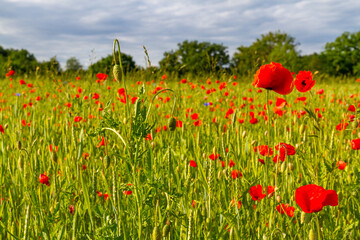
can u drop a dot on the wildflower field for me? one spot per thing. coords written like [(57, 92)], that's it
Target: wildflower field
[(273, 156)]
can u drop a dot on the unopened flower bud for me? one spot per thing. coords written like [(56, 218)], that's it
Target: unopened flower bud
[(172, 124), (117, 71)]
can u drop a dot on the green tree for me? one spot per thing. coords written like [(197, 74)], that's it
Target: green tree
[(19, 60), (343, 55), (195, 57), (314, 62), (271, 47), (50, 68), (104, 65), (73, 64)]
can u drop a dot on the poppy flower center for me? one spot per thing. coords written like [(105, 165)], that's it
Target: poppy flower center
[(303, 83)]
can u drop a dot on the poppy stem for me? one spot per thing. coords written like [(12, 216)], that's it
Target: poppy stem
[(152, 100), (116, 42)]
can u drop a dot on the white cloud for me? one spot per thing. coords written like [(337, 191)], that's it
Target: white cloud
[(73, 28)]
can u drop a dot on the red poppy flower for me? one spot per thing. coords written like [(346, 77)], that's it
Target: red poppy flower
[(320, 91), (2, 129), (86, 155), (351, 108), (72, 209), (102, 143), (236, 174), (11, 72), (286, 149), (148, 137), (262, 161), (127, 192), (231, 163), (77, 119), (22, 82), (106, 195), (285, 208), (197, 123), (304, 81), (270, 191), (96, 96), (133, 100), (233, 204), (179, 123), (282, 157), (214, 156), (183, 81), (101, 76), (312, 198), (341, 165), (264, 150), (274, 77), (194, 116), (44, 179), (193, 163), (280, 102), (121, 91), (253, 120), (355, 144), (256, 193)]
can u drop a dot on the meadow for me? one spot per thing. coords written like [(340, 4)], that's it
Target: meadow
[(167, 158)]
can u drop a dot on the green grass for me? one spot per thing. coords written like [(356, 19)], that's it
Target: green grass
[(163, 184)]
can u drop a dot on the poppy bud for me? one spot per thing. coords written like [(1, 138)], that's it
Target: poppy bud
[(266, 132), (125, 121), (117, 71), (253, 142), (39, 152), (156, 234), (6, 126), (172, 124), (278, 198)]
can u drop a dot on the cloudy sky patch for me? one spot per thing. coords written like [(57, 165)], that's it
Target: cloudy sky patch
[(86, 29)]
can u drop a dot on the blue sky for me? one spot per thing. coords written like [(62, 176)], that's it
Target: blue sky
[(86, 29)]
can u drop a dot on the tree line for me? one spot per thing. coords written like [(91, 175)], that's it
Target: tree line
[(340, 57)]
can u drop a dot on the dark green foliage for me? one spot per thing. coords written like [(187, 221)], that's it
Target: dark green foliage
[(105, 65), (271, 47), (343, 54), (195, 57), (73, 64), (19, 60)]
